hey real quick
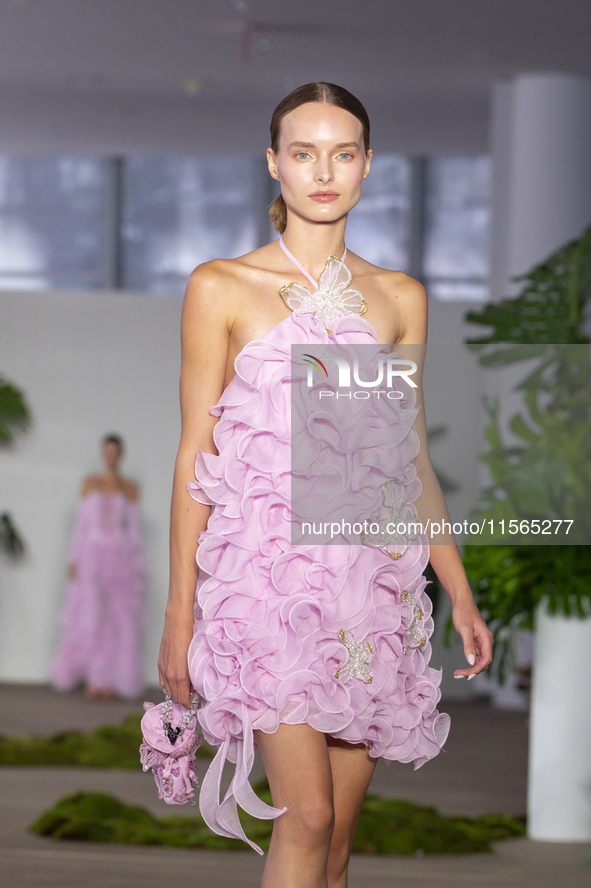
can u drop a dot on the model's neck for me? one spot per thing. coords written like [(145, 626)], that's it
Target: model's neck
[(312, 244), (111, 475)]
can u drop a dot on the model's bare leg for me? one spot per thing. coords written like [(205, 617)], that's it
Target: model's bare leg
[(298, 767), (352, 770)]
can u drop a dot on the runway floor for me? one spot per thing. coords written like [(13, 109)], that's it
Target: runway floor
[(482, 769)]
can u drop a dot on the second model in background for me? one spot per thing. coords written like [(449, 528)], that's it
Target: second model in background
[(102, 620)]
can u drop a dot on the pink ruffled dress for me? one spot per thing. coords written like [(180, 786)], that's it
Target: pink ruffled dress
[(103, 613), (302, 634)]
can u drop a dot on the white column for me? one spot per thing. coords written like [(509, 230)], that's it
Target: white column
[(559, 790), (541, 148)]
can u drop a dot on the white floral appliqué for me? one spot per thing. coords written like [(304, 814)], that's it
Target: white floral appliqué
[(333, 298), (360, 657), (418, 636), (395, 533)]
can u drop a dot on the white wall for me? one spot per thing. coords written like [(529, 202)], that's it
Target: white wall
[(91, 363)]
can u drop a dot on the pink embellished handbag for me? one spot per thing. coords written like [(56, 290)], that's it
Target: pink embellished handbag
[(168, 748)]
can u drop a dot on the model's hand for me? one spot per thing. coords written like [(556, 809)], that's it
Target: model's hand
[(173, 666), (476, 636), (72, 570)]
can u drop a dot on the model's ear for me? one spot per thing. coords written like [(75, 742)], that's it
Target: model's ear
[(272, 162), (368, 157)]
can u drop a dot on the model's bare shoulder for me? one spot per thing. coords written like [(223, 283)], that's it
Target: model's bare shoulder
[(90, 483), (221, 281), (392, 283), (211, 279), (401, 285), (408, 298), (210, 294), (230, 272), (130, 489)]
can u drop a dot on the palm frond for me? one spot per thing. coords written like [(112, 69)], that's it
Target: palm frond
[(11, 541), (15, 415)]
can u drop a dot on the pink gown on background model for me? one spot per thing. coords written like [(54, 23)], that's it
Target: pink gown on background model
[(103, 613), (283, 632)]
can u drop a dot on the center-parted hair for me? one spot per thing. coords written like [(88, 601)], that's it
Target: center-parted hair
[(112, 438), (319, 92)]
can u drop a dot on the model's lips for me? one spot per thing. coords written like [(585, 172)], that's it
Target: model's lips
[(324, 196)]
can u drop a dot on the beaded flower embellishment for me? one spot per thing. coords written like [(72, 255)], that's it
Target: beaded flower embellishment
[(333, 298), (418, 636), (360, 657), (395, 533)]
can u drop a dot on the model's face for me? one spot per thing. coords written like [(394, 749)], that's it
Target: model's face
[(111, 455), (321, 162)]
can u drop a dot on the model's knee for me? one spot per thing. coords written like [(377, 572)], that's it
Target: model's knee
[(315, 820)]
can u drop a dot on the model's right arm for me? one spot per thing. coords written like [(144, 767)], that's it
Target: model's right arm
[(205, 332), (80, 529)]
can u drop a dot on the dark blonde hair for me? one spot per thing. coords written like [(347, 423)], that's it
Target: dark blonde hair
[(311, 92)]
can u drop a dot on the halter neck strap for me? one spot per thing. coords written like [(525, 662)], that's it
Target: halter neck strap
[(299, 266)]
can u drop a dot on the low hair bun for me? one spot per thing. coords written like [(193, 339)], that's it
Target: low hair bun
[(278, 214)]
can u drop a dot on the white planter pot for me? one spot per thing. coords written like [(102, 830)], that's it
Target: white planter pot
[(559, 788)]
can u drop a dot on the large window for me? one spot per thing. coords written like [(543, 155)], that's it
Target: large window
[(143, 223), (179, 212), (51, 222), (379, 227), (456, 232)]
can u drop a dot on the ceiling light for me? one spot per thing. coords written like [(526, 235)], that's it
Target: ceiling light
[(240, 6), (192, 86)]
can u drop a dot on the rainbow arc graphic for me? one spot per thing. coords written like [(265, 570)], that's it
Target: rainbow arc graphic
[(317, 363)]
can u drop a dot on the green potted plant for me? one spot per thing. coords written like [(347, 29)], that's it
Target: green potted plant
[(548, 474), (15, 417)]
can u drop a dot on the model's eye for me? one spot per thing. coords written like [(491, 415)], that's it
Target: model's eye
[(345, 155), (301, 155)]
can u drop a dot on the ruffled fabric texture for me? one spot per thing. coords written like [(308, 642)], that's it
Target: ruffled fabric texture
[(101, 639), (266, 644)]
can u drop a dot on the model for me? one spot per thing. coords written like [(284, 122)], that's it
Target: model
[(103, 614), (316, 654)]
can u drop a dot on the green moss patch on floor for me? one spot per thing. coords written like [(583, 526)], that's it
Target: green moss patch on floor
[(386, 826), (394, 826), (111, 746)]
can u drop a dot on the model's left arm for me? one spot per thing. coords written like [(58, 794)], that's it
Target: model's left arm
[(444, 554)]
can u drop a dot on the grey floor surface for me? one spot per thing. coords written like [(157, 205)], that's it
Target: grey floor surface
[(482, 769)]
